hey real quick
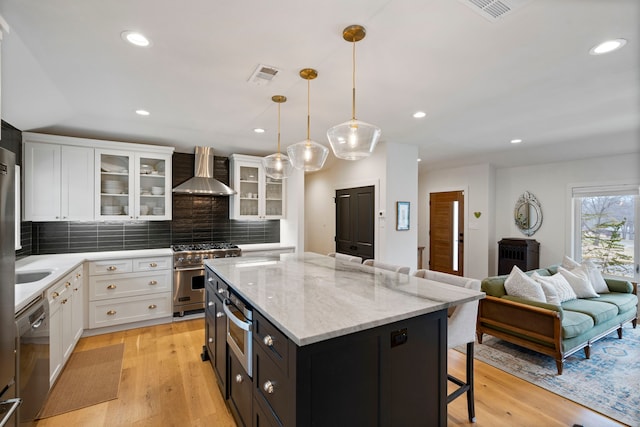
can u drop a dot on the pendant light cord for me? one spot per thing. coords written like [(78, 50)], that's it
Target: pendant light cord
[(353, 108), (308, 111)]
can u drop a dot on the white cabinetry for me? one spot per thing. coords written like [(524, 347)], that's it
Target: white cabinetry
[(79, 179), (258, 196), (58, 182), (123, 291), (66, 311), (133, 185)]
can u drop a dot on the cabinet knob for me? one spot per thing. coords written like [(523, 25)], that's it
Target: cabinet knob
[(67, 284), (268, 341), (239, 378), (75, 289), (112, 286), (210, 303), (153, 264), (152, 306), (111, 312), (55, 295), (269, 387), (64, 301), (219, 314), (210, 339), (153, 282), (210, 279), (78, 275), (112, 268), (221, 291)]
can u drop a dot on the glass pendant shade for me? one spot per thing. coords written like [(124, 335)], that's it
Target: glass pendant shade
[(308, 155), (353, 140), (277, 165)]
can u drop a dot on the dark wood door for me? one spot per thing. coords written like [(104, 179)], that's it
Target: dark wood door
[(355, 221), (446, 235)]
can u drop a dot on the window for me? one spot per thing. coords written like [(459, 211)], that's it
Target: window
[(605, 228)]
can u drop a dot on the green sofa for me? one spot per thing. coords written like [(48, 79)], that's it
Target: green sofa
[(557, 331)]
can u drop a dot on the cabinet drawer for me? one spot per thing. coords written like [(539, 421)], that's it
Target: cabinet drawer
[(271, 340), (263, 415), (113, 266), (126, 310), (273, 385), (151, 264), (128, 285)]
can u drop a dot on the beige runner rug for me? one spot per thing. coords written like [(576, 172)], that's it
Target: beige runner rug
[(90, 377)]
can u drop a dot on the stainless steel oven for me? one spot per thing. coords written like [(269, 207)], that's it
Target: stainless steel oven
[(188, 273), (239, 330)]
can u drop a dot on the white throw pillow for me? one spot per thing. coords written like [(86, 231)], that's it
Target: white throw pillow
[(579, 281), (593, 273), (520, 285), (595, 277), (556, 288)]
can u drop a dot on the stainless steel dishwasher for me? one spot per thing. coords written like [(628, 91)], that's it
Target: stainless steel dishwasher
[(32, 373)]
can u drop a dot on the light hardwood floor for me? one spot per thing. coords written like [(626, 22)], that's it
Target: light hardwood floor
[(165, 383)]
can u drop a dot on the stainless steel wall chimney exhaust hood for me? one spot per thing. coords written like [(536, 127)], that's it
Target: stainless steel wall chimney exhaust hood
[(203, 183)]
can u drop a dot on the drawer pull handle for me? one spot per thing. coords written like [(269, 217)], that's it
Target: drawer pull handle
[(111, 312), (55, 295), (239, 378), (153, 264), (210, 303), (221, 291), (111, 286), (219, 314), (153, 282), (269, 387), (112, 268), (64, 301), (152, 306), (67, 284), (210, 279), (268, 341)]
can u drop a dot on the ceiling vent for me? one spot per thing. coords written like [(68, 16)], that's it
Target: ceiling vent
[(263, 75), (494, 10)]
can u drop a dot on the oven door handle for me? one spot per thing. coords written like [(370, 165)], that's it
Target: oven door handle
[(190, 269), (245, 326)]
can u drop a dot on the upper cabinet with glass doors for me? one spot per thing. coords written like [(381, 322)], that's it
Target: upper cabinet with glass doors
[(258, 196), (133, 185)]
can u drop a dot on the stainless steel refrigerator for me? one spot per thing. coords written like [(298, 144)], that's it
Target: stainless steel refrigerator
[(8, 399)]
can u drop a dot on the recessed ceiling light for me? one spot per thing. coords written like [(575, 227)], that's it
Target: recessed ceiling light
[(419, 114), (608, 46), (516, 141), (419, 159), (135, 38), (258, 130), (142, 112)]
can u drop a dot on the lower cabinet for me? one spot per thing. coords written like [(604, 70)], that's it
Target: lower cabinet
[(65, 319), (240, 392), (123, 291), (216, 329)]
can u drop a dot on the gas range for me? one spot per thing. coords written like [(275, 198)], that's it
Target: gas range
[(193, 255)]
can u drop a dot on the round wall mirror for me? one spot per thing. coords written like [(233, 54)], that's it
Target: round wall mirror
[(528, 214)]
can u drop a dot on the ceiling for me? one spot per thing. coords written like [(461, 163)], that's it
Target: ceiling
[(482, 82)]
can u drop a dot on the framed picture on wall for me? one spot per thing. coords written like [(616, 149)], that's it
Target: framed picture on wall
[(402, 216)]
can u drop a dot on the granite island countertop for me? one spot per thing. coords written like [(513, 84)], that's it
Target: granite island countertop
[(312, 297)]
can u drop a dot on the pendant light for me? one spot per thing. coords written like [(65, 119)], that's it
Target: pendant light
[(308, 155), (277, 165), (354, 139)]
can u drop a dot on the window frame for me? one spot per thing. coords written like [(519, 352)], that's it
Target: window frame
[(577, 192)]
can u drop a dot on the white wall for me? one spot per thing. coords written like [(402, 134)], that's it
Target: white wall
[(392, 169), (550, 183), (477, 182), (292, 228)]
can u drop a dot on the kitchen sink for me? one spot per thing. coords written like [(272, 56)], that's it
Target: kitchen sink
[(31, 276)]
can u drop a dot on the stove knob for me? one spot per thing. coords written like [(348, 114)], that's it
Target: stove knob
[(205, 256), (197, 258), (188, 257), (180, 259)]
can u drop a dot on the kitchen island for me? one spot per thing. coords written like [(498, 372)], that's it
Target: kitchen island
[(331, 342)]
